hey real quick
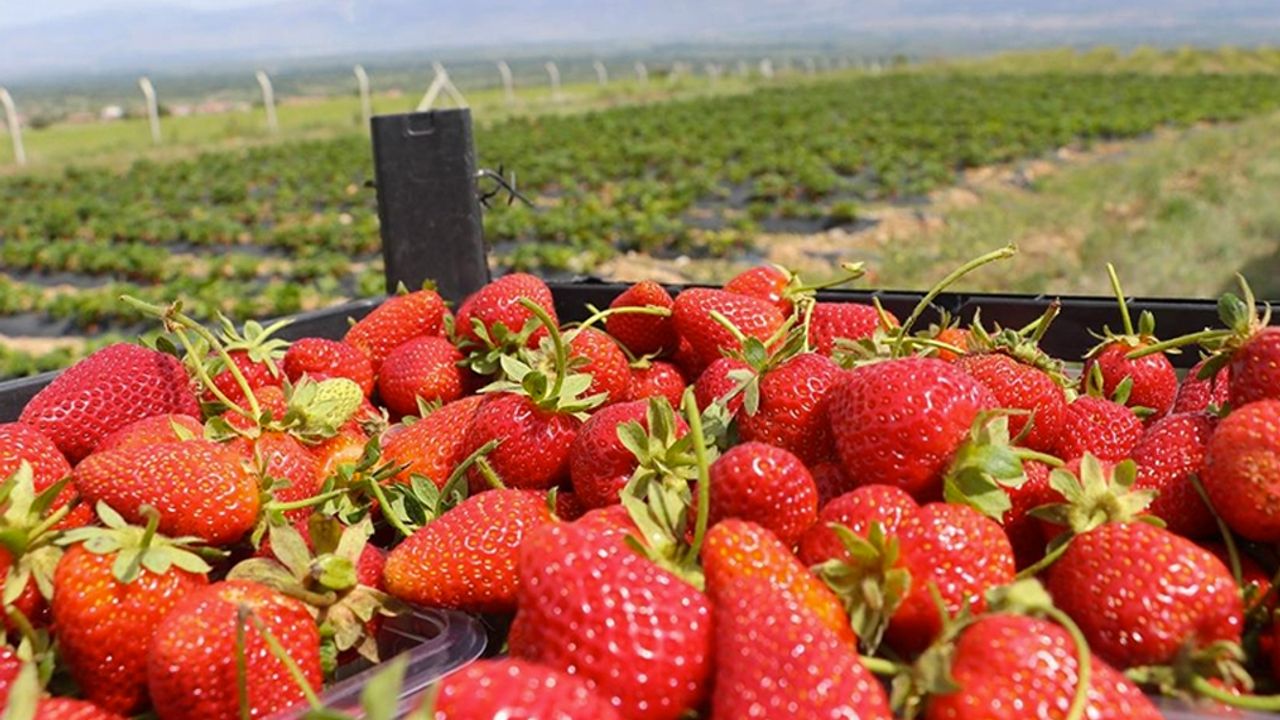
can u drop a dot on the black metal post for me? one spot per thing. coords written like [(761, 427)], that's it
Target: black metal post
[(432, 228)]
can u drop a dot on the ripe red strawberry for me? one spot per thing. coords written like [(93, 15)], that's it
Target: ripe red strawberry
[(18, 443), (499, 303), (955, 337), (256, 374), (590, 606), (466, 558), (599, 464), (958, 550), (604, 362), (1021, 386), (643, 334), (765, 485), (774, 660), (1196, 395), (533, 444), (1099, 426), (199, 487), (708, 339), (394, 322), (657, 379), (830, 480), (155, 429), (191, 665), (1139, 593), (832, 321), (736, 549), (715, 383), (1006, 666), (322, 358), (62, 708), (1169, 452), (1255, 368), (283, 463), (10, 666), (1241, 472), (792, 411), (347, 447), (1154, 381), (856, 510), (510, 688), (766, 282), (271, 401), (422, 369), (108, 390), (433, 446), (105, 616), (898, 422), (1027, 532), (1255, 581)]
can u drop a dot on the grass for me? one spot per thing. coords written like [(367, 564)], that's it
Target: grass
[(1178, 215)]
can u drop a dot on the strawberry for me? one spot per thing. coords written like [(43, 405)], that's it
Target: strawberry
[(466, 558), (766, 282), (396, 321), (589, 605), (152, 430), (61, 708), (1004, 665), (256, 356), (1027, 532), (510, 688), (1240, 470), (708, 338), (791, 411), (498, 303), (1255, 581), (433, 446), (604, 361), (286, 467), (27, 555), (716, 383), (643, 334), (830, 480), (955, 337), (533, 443), (107, 390), (271, 402), (736, 549), (1149, 381), (656, 379), (108, 600), (10, 666), (833, 321), (421, 370), (898, 422), (193, 657), (1253, 373), (199, 487), (345, 448), (1098, 426), (1140, 593), (766, 485), (600, 463), (22, 443), (568, 506), (1197, 394), (856, 510), (322, 358), (774, 659), (957, 550), (1168, 454), (1022, 386)]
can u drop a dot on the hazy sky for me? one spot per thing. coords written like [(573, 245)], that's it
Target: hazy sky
[(25, 12)]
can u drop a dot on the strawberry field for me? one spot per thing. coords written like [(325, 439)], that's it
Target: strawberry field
[(275, 230)]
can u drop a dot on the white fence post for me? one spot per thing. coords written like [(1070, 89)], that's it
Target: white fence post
[(766, 69), (366, 103), (269, 101), (602, 73), (440, 84), (553, 73), (508, 82), (810, 67), (153, 107), (15, 127), (743, 69), (642, 73)]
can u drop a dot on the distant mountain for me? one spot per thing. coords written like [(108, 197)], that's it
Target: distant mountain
[(142, 36)]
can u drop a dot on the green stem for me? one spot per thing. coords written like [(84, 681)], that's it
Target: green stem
[(1264, 703), (694, 417), (381, 498), (307, 502), (1042, 324), (1028, 454), (242, 670), (308, 597), (40, 532), (1233, 553), (1084, 663), (489, 474), (1174, 343), (1050, 558), (880, 666), (153, 522), (557, 341), (807, 305), (283, 656), (852, 271), (597, 315), (197, 366), (1004, 252), (1124, 306)]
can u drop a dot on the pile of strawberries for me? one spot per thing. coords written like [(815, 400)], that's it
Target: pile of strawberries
[(734, 503)]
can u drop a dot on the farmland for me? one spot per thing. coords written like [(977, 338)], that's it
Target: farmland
[(271, 229)]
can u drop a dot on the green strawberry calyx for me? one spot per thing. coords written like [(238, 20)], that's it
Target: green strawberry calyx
[(1022, 344), (1136, 338), (871, 582), (988, 463), (256, 341), (138, 548), (325, 580), (28, 532)]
